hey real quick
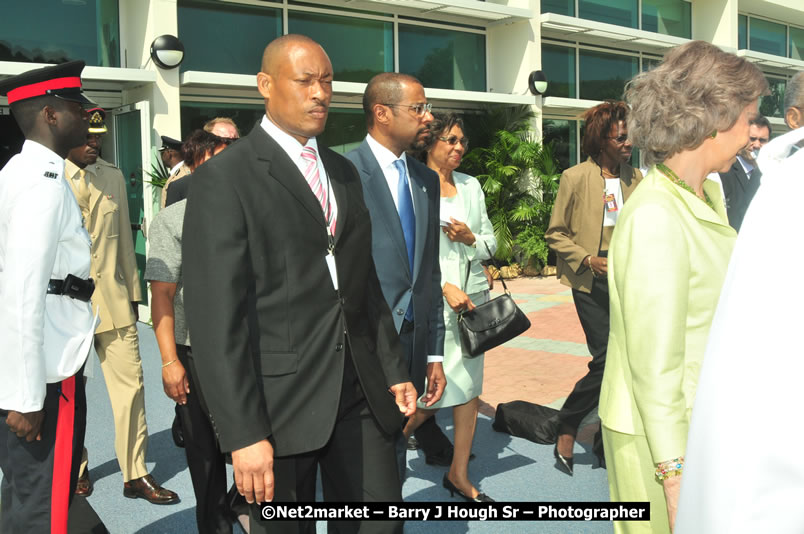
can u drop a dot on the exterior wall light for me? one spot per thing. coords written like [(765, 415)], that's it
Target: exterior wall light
[(537, 82), (167, 51)]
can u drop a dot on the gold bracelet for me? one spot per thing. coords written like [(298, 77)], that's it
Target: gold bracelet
[(168, 363), (670, 468)]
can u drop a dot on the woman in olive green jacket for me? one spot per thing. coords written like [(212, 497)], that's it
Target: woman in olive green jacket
[(667, 262)]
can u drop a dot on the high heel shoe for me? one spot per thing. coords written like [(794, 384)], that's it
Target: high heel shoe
[(481, 497), (562, 463)]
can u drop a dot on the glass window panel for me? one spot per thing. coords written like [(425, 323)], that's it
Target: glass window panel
[(77, 30), (195, 114), (445, 59), (768, 37), (562, 135), (558, 65), (227, 37), (562, 7), (338, 35), (742, 32), (620, 12), (796, 42), (346, 129), (603, 75), (649, 63), (772, 105), (669, 17)]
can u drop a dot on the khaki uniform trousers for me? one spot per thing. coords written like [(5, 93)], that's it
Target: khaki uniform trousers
[(119, 354)]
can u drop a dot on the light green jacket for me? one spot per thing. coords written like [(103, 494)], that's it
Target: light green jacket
[(667, 262)]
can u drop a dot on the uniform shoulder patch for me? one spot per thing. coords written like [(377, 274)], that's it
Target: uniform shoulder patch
[(49, 174)]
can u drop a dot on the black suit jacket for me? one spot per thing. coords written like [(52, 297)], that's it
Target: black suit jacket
[(178, 190), (269, 330), (739, 190)]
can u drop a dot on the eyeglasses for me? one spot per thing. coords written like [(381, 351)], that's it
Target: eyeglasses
[(620, 139), (418, 109), (225, 140), (453, 140)]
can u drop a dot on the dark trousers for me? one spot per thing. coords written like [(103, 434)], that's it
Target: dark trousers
[(357, 465), (593, 311), (39, 477), (429, 435), (206, 462)]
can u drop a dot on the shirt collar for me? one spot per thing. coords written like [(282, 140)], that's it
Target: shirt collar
[(289, 144), (176, 167), (384, 157)]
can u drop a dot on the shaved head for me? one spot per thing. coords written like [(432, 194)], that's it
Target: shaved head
[(277, 50)]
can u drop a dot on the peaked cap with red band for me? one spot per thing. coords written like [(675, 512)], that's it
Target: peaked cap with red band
[(63, 81)]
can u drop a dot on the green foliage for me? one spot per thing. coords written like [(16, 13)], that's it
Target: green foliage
[(520, 179), (158, 173)]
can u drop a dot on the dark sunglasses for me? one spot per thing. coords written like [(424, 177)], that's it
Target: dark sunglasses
[(225, 140), (452, 140), (620, 139)]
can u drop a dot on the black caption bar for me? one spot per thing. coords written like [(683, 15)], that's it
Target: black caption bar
[(452, 511)]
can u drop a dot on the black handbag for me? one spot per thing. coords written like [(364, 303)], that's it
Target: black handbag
[(492, 323)]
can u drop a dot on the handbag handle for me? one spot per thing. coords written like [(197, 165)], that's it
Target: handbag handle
[(496, 265)]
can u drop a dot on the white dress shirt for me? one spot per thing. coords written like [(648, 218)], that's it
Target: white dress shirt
[(294, 150), (43, 338)]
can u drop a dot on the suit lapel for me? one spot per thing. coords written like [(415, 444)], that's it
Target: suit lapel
[(96, 187), (279, 166), (337, 189), (419, 192), (376, 188)]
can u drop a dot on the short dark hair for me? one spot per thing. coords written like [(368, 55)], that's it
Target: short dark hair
[(441, 124), (763, 122), (599, 121), (197, 145), (25, 111), (384, 88)]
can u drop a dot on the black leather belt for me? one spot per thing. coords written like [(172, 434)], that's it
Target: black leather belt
[(407, 326), (73, 287)]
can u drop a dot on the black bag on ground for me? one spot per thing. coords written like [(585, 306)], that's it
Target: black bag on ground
[(527, 420)]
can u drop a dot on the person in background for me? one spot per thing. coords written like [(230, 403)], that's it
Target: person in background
[(46, 326), (100, 191), (590, 198), (170, 154), (466, 239), (748, 485), (689, 116), (199, 146), (741, 181)]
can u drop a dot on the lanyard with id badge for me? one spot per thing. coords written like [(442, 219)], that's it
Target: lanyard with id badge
[(330, 257)]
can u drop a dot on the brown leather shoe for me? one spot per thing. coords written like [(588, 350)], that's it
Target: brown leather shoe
[(147, 488), (84, 486)]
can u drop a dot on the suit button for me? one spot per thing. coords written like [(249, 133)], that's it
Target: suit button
[(400, 311), (339, 347), (98, 275), (343, 301)]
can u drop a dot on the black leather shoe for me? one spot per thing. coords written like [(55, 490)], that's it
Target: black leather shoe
[(147, 488), (443, 457), (481, 497), (84, 486), (412, 444), (562, 463), (175, 430)]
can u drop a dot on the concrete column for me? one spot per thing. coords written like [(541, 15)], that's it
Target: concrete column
[(715, 21)]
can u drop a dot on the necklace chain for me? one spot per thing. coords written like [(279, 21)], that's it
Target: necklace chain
[(673, 177)]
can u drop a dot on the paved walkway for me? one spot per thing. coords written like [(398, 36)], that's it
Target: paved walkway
[(540, 366)]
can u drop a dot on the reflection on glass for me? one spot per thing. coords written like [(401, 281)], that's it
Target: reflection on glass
[(772, 105), (561, 134), (227, 37), (649, 63), (670, 17), (619, 12), (346, 129), (562, 7), (768, 37), (339, 35), (742, 32), (195, 114), (796, 42), (603, 75), (558, 64), (444, 59), (54, 32)]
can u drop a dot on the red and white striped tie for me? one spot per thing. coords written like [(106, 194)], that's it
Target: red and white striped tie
[(314, 181)]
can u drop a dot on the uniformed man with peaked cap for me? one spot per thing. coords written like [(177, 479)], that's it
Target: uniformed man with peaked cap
[(46, 322), (100, 190), (170, 152)]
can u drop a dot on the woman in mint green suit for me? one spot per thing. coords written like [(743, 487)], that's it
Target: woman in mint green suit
[(667, 261), (467, 237)]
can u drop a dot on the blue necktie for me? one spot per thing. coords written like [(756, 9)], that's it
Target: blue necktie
[(407, 218)]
